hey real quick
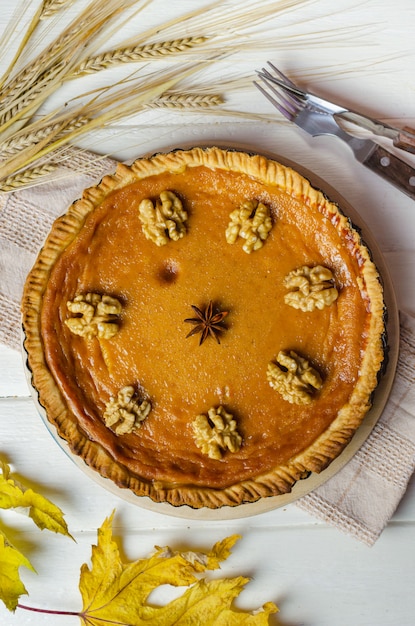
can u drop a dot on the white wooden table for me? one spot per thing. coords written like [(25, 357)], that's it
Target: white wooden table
[(317, 575)]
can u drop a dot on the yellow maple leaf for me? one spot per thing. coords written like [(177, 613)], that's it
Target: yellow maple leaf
[(11, 587), (117, 592), (45, 514), (42, 511)]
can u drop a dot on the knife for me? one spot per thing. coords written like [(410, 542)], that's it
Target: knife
[(372, 155), (403, 138), (317, 116)]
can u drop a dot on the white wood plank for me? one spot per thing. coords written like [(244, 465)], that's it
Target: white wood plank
[(316, 576), (12, 373)]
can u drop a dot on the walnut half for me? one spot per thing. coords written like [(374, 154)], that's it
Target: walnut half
[(252, 221), (96, 315), (216, 432), (163, 220), (294, 378), (125, 413), (310, 288)]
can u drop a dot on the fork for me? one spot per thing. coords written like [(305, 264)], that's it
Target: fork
[(403, 138), (316, 116)]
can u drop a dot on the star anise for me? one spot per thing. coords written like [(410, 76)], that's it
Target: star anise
[(207, 322)]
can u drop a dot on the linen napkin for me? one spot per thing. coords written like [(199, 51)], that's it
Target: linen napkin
[(363, 495)]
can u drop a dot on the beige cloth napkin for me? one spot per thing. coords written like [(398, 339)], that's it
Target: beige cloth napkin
[(363, 495)]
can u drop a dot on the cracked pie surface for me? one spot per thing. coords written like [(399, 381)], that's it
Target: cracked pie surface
[(204, 328)]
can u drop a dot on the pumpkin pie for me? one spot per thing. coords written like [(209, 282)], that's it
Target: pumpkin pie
[(204, 327)]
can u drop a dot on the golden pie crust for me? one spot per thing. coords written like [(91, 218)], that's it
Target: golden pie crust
[(98, 246)]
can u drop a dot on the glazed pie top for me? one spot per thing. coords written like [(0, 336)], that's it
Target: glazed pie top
[(300, 333)]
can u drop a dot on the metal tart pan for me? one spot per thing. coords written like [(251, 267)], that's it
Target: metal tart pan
[(380, 398)]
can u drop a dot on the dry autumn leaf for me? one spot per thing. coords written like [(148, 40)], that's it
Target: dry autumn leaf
[(45, 514), (114, 592), (42, 511), (11, 587)]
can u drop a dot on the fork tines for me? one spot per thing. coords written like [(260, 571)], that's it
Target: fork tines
[(280, 91)]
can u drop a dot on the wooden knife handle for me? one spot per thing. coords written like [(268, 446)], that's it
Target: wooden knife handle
[(393, 169), (406, 139)]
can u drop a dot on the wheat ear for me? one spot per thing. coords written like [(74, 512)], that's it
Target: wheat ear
[(22, 45), (37, 132), (27, 178), (30, 87), (33, 136), (50, 7), (100, 111), (19, 105), (185, 101), (134, 54)]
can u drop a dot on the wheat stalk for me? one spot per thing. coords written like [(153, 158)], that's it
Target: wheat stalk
[(21, 141), (50, 7), (186, 101), (217, 26), (100, 111), (24, 93), (61, 166), (17, 105), (40, 131), (27, 145), (23, 42), (45, 10), (221, 20), (27, 177), (136, 53)]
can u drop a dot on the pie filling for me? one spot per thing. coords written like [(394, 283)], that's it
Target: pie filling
[(205, 322)]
